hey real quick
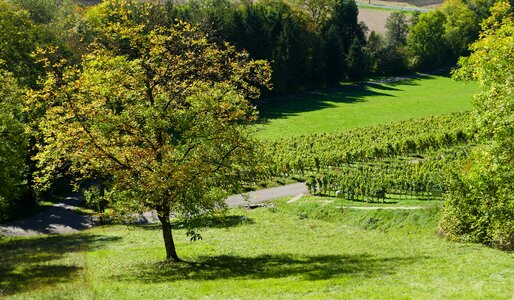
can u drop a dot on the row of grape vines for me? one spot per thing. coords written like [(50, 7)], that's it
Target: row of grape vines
[(423, 178), (404, 158)]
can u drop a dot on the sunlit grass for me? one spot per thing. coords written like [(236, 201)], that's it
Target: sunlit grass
[(304, 249), (363, 105)]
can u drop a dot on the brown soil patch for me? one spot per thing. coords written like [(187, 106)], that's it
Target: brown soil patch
[(374, 19)]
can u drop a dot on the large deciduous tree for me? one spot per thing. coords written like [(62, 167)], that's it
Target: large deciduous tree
[(426, 41), (339, 32), (480, 205), (159, 110), (461, 27)]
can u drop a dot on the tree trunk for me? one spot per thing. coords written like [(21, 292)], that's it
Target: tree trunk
[(164, 217)]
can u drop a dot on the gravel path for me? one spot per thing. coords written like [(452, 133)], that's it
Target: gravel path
[(259, 196), (58, 219), (62, 218)]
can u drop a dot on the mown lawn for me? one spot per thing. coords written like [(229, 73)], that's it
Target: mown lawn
[(307, 249), (362, 105)]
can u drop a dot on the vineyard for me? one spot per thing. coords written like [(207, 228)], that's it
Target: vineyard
[(407, 158)]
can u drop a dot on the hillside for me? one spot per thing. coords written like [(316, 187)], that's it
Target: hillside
[(362, 105)]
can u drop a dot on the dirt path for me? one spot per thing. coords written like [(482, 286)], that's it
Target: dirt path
[(259, 196), (61, 218)]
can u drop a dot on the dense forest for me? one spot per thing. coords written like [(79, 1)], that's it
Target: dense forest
[(74, 79)]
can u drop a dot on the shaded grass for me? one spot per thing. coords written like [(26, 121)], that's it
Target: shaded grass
[(28, 210), (280, 254), (37, 263), (264, 266), (360, 105)]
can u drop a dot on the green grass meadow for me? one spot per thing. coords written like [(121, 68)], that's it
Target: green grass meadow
[(308, 249), (363, 105)]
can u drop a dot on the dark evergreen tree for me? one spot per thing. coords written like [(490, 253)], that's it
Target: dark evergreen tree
[(338, 34), (356, 61)]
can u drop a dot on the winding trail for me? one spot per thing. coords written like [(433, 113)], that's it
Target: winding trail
[(62, 217), (260, 196)]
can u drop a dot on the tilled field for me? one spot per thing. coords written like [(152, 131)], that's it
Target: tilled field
[(374, 19)]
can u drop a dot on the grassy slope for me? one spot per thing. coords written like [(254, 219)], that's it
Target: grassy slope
[(306, 249), (365, 105)]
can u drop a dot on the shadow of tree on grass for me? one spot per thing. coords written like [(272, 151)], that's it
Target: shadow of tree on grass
[(29, 263), (282, 107), (271, 266), (296, 104), (206, 222)]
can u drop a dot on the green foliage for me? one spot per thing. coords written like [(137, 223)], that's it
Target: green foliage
[(356, 61), (282, 34), (374, 49), (17, 41), (42, 11), (338, 34), (461, 27), (13, 147), (160, 110), (306, 42), (383, 179), (438, 38), (396, 30), (389, 56), (426, 41), (406, 158), (369, 143), (480, 7), (31, 24), (318, 10), (481, 205)]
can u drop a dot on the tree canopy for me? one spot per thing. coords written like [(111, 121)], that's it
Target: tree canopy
[(13, 145), (160, 111), (481, 203), (17, 41)]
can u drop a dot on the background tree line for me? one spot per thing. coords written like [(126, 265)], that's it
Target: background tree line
[(309, 43), (317, 43)]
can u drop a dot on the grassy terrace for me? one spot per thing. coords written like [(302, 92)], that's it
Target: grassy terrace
[(310, 249), (363, 105)]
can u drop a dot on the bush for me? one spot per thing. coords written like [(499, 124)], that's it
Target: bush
[(480, 206)]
